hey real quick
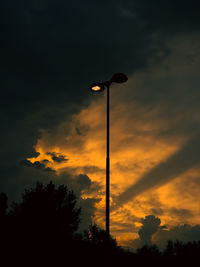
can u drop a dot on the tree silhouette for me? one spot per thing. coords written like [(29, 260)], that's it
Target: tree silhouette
[(41, 230), (3, 219), (149, 254), (44, 223), (48, 207), (98, 236), (3, 205)]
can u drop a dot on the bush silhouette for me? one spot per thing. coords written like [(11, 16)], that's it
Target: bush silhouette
[(45, 207), (44, 223), (98, 236), (41, 230), (3, 205)]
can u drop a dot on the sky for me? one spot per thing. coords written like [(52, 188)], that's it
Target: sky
[(53, 126)]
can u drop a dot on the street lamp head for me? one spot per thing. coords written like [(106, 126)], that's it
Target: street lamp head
[(119, 78), (116, 78), (97, 87)]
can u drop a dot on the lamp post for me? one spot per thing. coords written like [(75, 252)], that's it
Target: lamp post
[(97, 87)]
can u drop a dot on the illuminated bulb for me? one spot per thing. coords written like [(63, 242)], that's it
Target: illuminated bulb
[(96, 88)]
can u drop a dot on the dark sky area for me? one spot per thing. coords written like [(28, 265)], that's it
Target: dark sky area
[(52, 50)]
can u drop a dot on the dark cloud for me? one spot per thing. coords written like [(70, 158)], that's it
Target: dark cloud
[(45, 161), (95, 189), (93, 169), (150, 225), (184, 233), (85, 169), (181, 161), (51, 51), (87, 212), (157, 211), (183, 214), (176, 16), (84, 180), (37, 164), (81, 129), (122, 227), (57, 157), (152, 232)]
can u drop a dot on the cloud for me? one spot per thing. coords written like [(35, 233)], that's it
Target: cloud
[(185, 233), (152, 232), (150, 225), (181, 161), (84, 180), (181, 213), (37, 164), (56, 157), (154, 126), (88, 208), (176, 17)]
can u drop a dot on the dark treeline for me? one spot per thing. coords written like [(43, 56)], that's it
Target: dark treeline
[(41, 230)]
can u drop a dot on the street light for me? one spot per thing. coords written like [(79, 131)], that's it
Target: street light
[(98, 87)]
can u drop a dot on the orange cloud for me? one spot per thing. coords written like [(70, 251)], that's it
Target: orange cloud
[(134, 149), (142, 137)]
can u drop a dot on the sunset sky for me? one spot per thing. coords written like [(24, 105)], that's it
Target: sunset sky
[(54, 128)]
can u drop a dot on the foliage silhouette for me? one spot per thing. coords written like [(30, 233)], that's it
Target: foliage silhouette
[(3, 205), (43, 224), (48, 207), (41, 230), (98, 236)]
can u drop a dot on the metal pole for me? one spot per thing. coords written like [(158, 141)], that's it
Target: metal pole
[(108, 165), (97, 87)]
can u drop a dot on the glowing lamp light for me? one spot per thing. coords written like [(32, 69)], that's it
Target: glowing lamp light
[(116, 78), (97, 87)]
